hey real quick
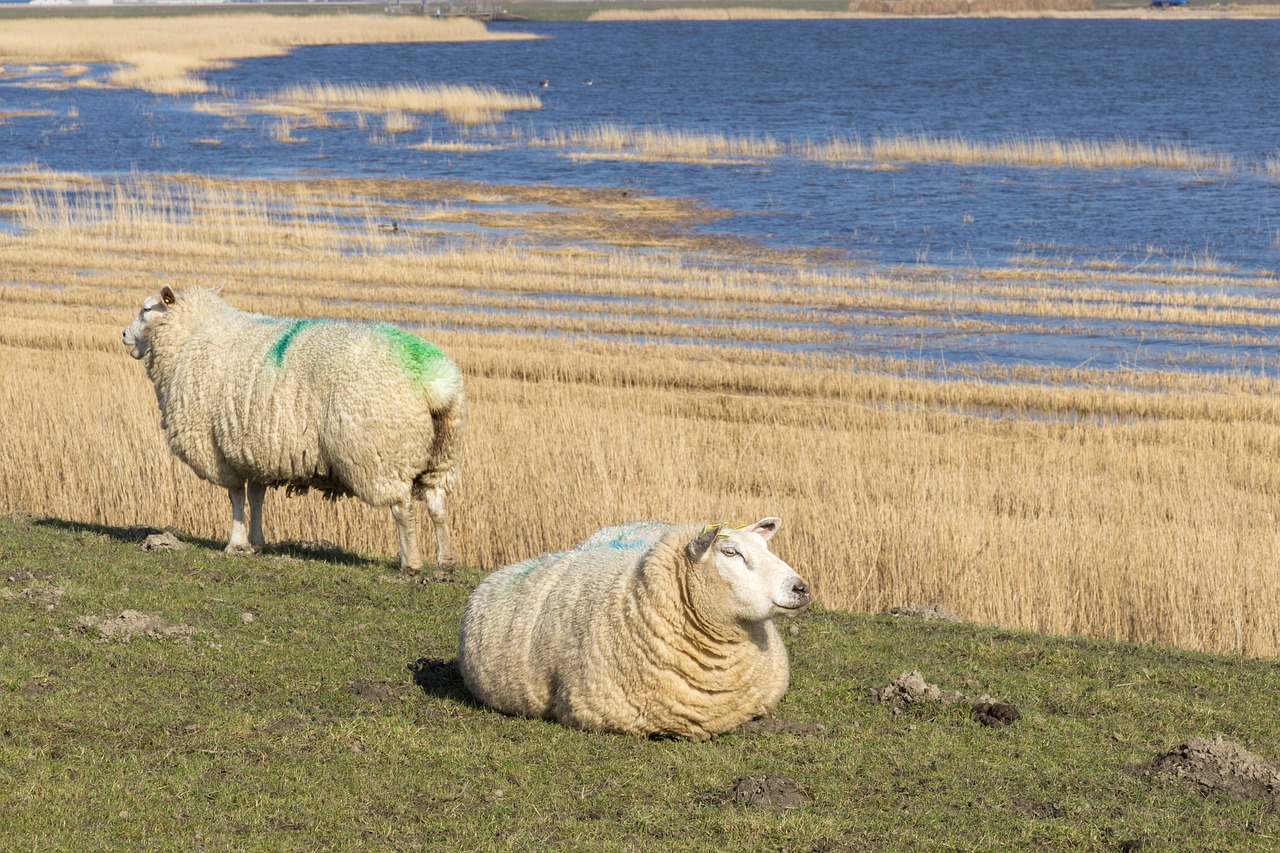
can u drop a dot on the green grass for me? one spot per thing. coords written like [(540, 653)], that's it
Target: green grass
[(303, 727)]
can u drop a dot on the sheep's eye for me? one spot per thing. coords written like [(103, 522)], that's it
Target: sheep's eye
[(729, 552)]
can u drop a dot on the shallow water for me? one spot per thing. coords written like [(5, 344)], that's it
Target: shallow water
[(1204, 84)]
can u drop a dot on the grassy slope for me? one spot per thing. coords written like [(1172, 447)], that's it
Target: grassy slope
[(303, 727)]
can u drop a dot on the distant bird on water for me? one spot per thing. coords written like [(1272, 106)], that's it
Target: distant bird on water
[(544, 83), (389, 226), (587, 82)]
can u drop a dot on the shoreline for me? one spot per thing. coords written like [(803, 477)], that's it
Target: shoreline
[(1199, 13), (551, 11)]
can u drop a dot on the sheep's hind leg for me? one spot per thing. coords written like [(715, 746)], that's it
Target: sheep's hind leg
[(405, 514), (238, 542), (257, 495), (438, 509)]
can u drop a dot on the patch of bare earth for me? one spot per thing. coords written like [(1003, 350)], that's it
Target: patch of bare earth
[(777, 725), (132, 623), (373, 691), (774, 792), (163, 541), (25, 518), (1220, 766), (31, 587), (926, 612), (910, 688)]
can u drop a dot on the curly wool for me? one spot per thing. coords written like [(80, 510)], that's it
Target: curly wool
[(615, 635), (250, 402), (341, 406)]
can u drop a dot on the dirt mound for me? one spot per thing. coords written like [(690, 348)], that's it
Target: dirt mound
[(927, 612), (374, 691), (996, 713), (26, 518), (776, 725), (910, 688), (1222, 766), (35, 591), (775, 792), (163, 541), (131, 623)]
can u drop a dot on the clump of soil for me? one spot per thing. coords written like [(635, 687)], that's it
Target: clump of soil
[(25, 518), (996, 713), (1222, 766), (776, 725), (163, 541), (774, 792), (35, 591), (927, 612), (374, 691), (910, 688), (131, 623)]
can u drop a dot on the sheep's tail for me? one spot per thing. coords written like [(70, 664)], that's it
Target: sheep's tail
[(448, 415)]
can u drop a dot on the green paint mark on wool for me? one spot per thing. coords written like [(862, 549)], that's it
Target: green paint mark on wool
[(282, 343), (422, 359)]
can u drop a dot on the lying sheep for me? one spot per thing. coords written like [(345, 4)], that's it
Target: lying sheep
[(646, 628), (251, 402)]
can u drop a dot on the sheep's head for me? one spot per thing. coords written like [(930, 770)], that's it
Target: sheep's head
[(753, 584), (137, 335)]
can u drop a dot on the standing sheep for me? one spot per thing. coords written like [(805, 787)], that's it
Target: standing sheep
[(646, 628), (251, 402)]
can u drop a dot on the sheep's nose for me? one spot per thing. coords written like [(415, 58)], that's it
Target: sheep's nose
[(800, 589)]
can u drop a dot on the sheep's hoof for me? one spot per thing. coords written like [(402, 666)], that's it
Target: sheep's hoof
[(243, 550)]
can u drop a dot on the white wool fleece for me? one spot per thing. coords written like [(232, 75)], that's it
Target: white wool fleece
[(647, 628), (359, 409)]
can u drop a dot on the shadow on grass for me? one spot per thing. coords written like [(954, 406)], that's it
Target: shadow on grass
[(442, 678), (133, 535), (326, 552), (323, 551)]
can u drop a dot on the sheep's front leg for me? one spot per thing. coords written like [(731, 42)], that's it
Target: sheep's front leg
[(257, 495), (438, 509), (406, 517), (238, 542)]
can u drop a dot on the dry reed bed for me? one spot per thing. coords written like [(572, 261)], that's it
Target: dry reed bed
[(461, 103), (1038, 151), (608, 139), (165, 55), (610, 294), (1129, 505)]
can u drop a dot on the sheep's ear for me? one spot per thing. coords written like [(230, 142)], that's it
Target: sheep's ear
[(697, 549), (765, 527), (167, 296)]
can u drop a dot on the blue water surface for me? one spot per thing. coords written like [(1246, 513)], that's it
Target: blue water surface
[(1204, 83)]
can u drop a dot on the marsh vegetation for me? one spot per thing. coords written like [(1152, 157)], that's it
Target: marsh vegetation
[(622, 365)]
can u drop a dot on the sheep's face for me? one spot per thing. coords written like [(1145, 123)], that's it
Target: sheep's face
[(750, 584), (137, 335)]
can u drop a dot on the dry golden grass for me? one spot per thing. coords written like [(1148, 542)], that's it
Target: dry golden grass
[(462, 104), (652, 143), (166, 54), (608, 384), (613, 141), (1019, 151)]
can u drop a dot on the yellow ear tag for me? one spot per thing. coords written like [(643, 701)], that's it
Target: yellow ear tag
[(724, 525), (167, 297)]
